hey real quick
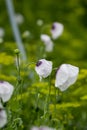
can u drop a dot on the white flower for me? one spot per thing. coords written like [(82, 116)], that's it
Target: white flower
[(66, 75), (57, 30), (19, 18), (34, 128), (2, 32), (42, 128), (43, 68), (47, 42), (6, 90), (3, 116), (39, 22)]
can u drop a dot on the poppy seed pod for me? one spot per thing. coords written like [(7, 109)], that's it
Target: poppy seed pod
[(6, 90), (47, 42), (66, 75), (56, 30), (3, 116), (43, 68)]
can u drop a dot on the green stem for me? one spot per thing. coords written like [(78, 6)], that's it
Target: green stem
[(19, 85), (18, 68), (49, 95), (55, 103)]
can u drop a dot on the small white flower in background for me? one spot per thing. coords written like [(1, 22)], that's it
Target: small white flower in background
[(19, 18), (56, 30), (43, 68), (39, 22), (2, 32), (3, 116), (26, 34), (47, 42), (66, 75), (42, 128), (6, 90)]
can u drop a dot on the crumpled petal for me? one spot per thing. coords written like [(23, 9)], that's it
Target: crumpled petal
[(66, 75)]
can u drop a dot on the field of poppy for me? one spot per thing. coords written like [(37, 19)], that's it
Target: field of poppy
[(43, 65)]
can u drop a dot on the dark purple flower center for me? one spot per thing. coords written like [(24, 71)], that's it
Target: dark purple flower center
[(53, 27), (1, 81), (39, 63), (1, 109)]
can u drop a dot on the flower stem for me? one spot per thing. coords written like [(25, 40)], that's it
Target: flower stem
[(49, 95), (55, 103)]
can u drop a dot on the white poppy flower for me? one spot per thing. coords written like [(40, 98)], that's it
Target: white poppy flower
[(6, 90), (2, 32), (3, 116), (42, 128), (47, 42), (19, 18), (66, 75), (43, 68), (57, 30), (34, 128)]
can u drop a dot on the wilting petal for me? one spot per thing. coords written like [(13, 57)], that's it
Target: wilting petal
[(66, 75), (6, 90), (73, 73), (47, 42), (61, 75), (3, 116), (43, 68), (57, 30)]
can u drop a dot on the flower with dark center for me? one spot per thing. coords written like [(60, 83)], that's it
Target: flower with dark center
[(38, 63), (43, 68), (57, 30)]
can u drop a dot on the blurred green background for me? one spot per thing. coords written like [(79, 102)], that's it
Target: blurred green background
[(71, 13)]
